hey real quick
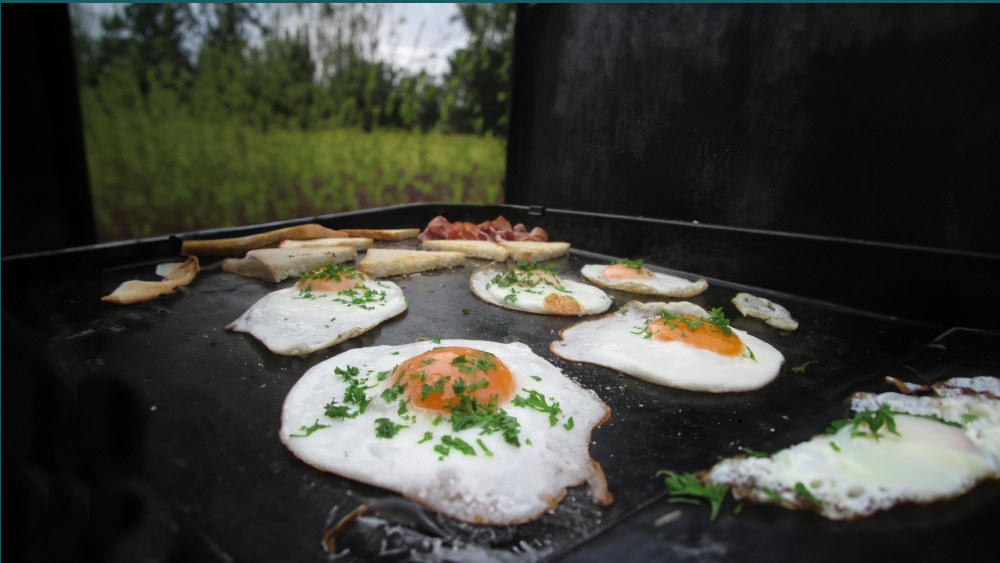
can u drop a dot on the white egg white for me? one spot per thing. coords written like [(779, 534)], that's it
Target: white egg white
[(537, 298), (617, 341), (294, 322), (660, 284), (851, 474), (497, 483)]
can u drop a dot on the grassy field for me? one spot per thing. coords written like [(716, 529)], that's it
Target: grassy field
[(154, 176)]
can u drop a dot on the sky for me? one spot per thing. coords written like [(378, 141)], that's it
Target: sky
[(425, 36), (426, 39)]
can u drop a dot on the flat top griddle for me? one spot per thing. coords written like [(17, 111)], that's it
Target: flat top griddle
[(169, 424)]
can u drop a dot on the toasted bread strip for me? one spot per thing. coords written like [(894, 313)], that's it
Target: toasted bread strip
[(383, 234), (470, 248), (353, 242), (240, 245), (384, 262), (276, 264), (175, 275), (530, 251)]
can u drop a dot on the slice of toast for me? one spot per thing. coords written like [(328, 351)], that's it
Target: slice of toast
[(530, 251), (240, 245), (382, 234), (276, 264), (470, 248), (385, 262), (353, 242), (174, 275)]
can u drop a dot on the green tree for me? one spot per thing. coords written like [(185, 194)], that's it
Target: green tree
[(221, 90), (281, 82), (149, 40), (477, 95), (356, 88)]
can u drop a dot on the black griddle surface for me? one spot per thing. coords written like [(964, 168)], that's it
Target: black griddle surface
[(181, 416)]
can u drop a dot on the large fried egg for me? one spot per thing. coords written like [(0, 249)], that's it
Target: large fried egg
[(632, 276), (482, 432), (325, 307), (941, 449), (676, 344), (536, 289)]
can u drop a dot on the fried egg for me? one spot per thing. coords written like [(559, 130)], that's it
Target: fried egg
[(536, 289), (676, 344), (482, 432), (765, 310), (325, 307), (883, 456), (632, 276)]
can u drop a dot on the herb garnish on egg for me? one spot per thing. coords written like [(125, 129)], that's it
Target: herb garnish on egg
[(334, 272), (633, 264), (875, 420), (527, 275), (354, 394), (688, 488), (361, 296), (804, 492), (307, 430), (537, 401), (385, 428), (358, 295)]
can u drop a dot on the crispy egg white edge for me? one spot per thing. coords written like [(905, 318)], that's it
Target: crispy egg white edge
[(664, 285), (609, 341), (838, 479), (353, 451), (592, 300), (290, 326)]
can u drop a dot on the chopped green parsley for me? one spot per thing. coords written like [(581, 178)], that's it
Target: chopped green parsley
[(385, 428), (307, 430), (874, 420), (688, 488), (537, 401)]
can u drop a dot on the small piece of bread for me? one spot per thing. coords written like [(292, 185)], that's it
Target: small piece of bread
[(470, 248), (383, 234), (276, 264), (174, 275), (530, 251), (240, 245), (384, 262), (353, 242), (768, 311)]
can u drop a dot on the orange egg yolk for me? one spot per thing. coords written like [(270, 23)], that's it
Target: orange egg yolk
[(437, 378), (623, 272), (333, 284), (696, 332)]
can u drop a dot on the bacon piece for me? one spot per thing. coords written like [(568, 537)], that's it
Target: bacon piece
[(437, 229), (495, 230), (537, 234), (500, 224)]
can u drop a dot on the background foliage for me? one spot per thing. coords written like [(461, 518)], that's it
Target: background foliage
[(199, 116)]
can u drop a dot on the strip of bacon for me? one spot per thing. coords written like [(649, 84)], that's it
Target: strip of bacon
[(495, 230)]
